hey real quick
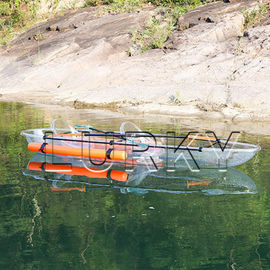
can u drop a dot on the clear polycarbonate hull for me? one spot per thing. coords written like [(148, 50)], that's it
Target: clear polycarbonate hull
[(234, 154), (195, 153)]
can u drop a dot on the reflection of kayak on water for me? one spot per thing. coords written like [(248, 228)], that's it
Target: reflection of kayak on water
[(207, 181), (187, 151), (69, 174)]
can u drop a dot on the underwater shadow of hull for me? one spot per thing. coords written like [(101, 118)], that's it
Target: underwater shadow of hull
[(141, 180)]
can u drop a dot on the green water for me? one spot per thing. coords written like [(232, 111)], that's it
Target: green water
[(109, 229)]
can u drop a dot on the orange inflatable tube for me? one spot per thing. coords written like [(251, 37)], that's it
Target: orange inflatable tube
[(78, 151), (97, 145), (83, 189), (198, 183), (71, 170)]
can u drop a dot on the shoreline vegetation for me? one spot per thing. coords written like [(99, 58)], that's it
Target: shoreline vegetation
[(17, 16)]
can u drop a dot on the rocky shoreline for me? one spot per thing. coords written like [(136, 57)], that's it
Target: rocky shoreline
[(213, 66)]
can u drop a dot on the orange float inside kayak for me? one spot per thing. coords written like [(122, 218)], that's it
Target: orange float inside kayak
[(78, 151), (71, 170), (87, 139)]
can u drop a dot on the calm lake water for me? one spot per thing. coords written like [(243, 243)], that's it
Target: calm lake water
[(167, 225)]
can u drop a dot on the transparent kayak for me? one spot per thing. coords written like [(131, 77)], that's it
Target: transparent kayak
[(193, 152)]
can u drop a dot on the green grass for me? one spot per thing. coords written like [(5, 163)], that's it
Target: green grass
[(119, 6), (15, 16), (254, 15), (4, 9), (95, 3)]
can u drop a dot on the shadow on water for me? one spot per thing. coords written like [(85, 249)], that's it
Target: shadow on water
[(137, 228)]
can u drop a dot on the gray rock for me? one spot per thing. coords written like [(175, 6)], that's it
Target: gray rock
[(209, 67)]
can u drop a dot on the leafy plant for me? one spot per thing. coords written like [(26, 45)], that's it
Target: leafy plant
[(4, 9), (157, 32), (119, 6), (152, 38), (174, 3), (95, 3), (254, 15)]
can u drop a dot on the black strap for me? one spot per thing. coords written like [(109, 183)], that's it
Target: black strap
[(42, 147), (108, 153), (109, 175), (42, 167)]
